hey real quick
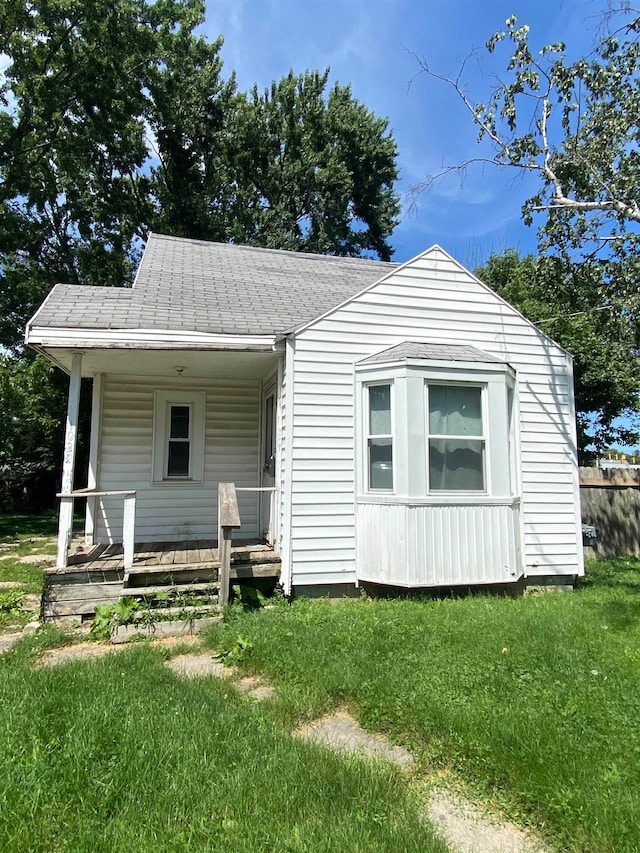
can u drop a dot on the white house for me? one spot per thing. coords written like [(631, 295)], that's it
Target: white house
[(406, 425)]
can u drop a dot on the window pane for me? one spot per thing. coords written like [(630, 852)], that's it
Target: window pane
[(455, 410), (179, 422), (380, 410), (380, 463), (178, 459), (456, 465)]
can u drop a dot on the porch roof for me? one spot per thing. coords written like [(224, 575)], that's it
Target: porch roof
[(212, 288)]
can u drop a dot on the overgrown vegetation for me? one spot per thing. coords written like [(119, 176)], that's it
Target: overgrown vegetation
[(160, 607), (532, 701)]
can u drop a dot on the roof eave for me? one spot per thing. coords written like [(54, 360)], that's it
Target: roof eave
[(151, 339)]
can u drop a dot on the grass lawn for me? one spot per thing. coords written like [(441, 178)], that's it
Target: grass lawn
[(534, 702), (118, 754), (22, 535), (15, 526), (531, 703)]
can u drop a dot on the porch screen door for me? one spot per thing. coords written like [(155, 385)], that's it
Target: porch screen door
[(268, 466)]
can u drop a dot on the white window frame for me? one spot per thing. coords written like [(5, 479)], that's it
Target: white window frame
[(409, 413), (485, 436), (195, 401), (368, 435)]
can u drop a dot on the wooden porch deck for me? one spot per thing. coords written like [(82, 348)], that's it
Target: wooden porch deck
[(251, 558), (98, 576)]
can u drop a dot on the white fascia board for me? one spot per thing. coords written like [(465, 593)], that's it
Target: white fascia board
[(144, 339), (439, 364)]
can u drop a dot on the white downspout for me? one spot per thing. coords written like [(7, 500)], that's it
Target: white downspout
[(286, 570)]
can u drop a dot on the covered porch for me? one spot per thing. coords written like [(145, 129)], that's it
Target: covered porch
[(169, 426)]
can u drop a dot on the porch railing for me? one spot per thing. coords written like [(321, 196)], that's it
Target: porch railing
[(229, 520), (66, 521)]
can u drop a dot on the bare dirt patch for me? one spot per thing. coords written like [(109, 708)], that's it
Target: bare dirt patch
[(467, 830), (88, 650), (38, 559), (80, 651), (8, 640), (197, 666), (341, 731)]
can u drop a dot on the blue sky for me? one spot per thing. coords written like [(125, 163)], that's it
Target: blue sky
[(369, 44)]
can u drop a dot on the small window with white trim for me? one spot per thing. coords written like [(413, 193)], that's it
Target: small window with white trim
[(456, 438), (178, 445), (379, 437)]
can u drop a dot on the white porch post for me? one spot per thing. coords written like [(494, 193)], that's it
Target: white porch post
[(128, 529), (69, 461), (94, 444)]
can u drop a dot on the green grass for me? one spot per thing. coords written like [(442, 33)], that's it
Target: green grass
[(118, 754), (532, 701), (26, 534), (28, 574), (14, 526)]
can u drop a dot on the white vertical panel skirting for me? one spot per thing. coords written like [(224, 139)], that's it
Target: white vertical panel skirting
[(418, 545)]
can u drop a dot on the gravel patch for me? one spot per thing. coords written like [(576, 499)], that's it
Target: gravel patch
[(342, 732), (466, 829)]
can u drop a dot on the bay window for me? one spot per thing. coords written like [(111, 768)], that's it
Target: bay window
[(435, 423), (456, 440), (379, 438)]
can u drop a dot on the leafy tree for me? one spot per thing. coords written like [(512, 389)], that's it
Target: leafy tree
[(575, 124), (563, 298), (315, 172), (115, 119), (32, 395), (78, 103)]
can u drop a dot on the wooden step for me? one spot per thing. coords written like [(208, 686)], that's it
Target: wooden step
[(190, 611), (78, 599), (143, 591)]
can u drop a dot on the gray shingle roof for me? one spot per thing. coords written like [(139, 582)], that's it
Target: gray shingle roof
[(431, 352), (217, 288)]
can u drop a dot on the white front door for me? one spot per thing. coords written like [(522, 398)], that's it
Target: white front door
[(268, 462)]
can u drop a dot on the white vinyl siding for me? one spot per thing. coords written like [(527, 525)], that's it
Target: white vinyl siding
[(432, 300), (180, 510)]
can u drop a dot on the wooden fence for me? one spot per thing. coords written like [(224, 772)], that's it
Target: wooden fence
[(610, 499)]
